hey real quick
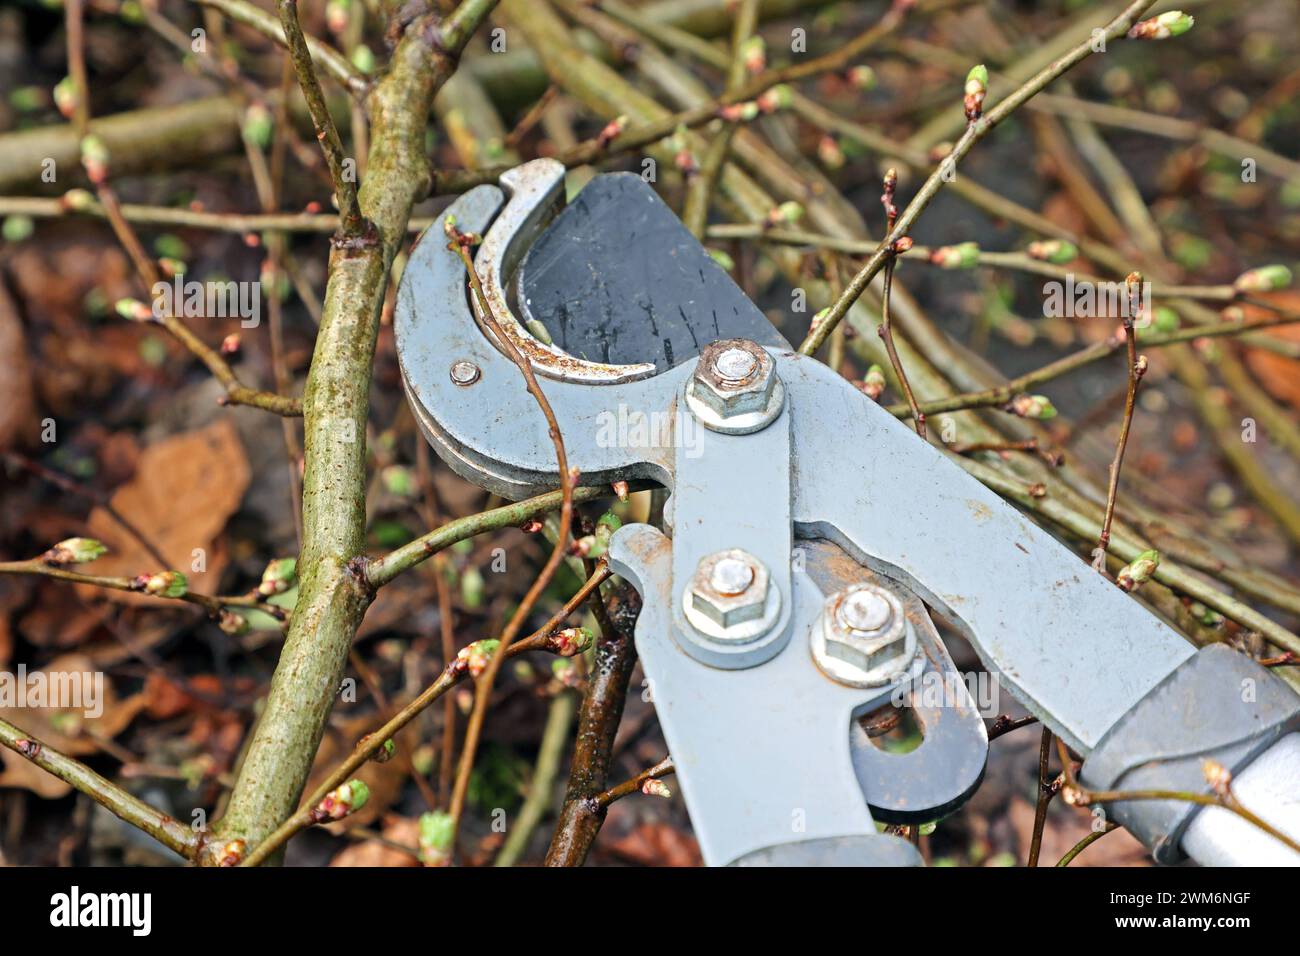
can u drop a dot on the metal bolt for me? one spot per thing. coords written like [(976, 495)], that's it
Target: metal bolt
[(731, 577), (862, 637), (464, 373), (729, 588), (864, 611), (735, 365), (735, 388)]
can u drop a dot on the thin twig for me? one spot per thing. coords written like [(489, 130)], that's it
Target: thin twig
[(335, 63), (975, 131), (459, 242), (380, 571), (1086, 842), (212, 604), (886, 329), (699, 189), (1002, 724), (601, 801), (173, 834), (1136, 367), (1045, 793), (345, 187)]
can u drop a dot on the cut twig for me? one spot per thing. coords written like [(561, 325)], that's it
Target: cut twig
[(1137, 366)]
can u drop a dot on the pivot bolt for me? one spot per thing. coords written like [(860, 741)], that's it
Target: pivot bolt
[(730, 597), (729, 587), (735, 389), (464, 373), (864, 611)]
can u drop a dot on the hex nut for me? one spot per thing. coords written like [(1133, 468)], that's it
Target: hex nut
[(735, 388), (734, 376), (729, 587)]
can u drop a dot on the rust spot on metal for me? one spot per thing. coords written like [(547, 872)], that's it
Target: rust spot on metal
[(532, 186)]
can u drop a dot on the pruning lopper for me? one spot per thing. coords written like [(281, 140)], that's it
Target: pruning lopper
[(807, 530)]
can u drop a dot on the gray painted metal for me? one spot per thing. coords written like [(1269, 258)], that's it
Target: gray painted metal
[(761, 753), (1219, 705), (1270, 787), (732, 491), (939, 775)]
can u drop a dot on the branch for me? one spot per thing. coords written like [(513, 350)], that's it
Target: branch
[(1216, 775), (598, 719), (380, 571), (145, 584), (550, 753), (1086, 842), (483, 694), (663, 768), (1002, 394), (460, 180), (172, 834), (1046, 791), (327, 134), (335, 63), (1137, 366), (695, 211)]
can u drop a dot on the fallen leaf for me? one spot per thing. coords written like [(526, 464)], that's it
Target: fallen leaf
[(69, 730), (18, 419), (1279, 375), (376, 853), (184, 491), (658, 844)]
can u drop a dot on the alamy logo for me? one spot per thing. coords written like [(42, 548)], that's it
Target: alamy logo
[(934, 689), (1087, 299), (134, 910), (633, 428), (210, 300), (61, 690)]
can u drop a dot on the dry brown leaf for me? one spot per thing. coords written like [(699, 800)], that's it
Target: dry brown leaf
[(184, 491), (375, 853), (658, 844), (18, 421), (1279, 375), (54, 622), (68, 731)]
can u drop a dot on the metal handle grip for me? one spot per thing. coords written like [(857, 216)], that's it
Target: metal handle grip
[(1270, 788)]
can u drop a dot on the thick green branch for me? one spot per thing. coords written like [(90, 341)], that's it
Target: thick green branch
[(333, 590)]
